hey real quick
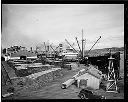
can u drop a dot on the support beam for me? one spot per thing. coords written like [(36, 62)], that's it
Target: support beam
[(93, 45), (57, 48), (52, 48), (78, 45), (71, 45)]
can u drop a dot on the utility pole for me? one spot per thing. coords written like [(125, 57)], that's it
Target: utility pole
[(82, 44), (45, 47), (30, 48)]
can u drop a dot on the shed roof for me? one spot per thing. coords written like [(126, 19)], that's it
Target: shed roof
[(91, 71), (94, 71)]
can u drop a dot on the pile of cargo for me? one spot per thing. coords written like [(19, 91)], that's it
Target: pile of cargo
[(37, 80)]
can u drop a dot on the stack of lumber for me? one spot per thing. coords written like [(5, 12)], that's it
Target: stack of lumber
[(37, 80)]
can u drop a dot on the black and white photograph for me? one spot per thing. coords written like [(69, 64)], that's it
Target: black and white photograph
[(62, 51)]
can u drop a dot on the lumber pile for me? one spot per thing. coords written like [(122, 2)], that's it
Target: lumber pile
[(37, 80), (67, 83)]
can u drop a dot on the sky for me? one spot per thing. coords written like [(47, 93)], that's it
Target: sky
[(32, 24)]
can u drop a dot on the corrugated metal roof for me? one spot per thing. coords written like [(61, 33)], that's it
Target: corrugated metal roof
[(95, 54)]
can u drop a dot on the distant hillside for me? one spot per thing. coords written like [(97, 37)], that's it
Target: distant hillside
[(103, 51)]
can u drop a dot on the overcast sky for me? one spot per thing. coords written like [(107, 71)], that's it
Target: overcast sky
[(30, 25)]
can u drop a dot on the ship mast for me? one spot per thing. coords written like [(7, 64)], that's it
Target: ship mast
[(82, 45)]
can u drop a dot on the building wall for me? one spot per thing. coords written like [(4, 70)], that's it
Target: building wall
[(22, 53), (92, 81)]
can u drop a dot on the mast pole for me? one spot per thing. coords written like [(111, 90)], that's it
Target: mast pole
[(82, 44)]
